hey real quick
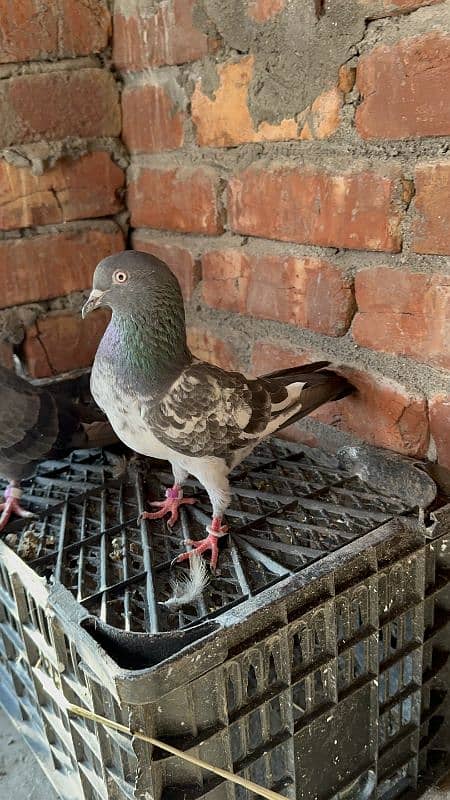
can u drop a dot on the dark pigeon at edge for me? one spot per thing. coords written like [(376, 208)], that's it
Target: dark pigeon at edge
[(37, 423)]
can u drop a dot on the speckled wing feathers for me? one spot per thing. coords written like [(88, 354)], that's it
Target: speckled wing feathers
[(210, 412)]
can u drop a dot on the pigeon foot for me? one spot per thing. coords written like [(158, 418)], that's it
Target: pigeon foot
[(12, 506), (174, 499), (211, 542)]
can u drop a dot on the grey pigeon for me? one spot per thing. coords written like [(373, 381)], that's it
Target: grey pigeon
[(163, 402), (37, 423)]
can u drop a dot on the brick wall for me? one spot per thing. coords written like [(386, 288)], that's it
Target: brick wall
[(287, 158), (62, 178)]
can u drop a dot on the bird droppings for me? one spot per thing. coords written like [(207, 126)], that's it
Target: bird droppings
[(118, 551), (11, 540), (29, 544)]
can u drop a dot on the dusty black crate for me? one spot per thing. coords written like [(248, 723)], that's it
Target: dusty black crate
[(316, 663)]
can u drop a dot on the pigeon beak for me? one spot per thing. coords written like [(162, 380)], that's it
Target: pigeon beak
[(94, 301)]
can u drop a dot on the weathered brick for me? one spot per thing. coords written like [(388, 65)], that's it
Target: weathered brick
[(346, 78), (405, 89), (169, 36), (53, 105), (181, 261), (208, 347), (62, 341), (439, 411), (262, 10), (182, 199), (72, 189), (380, 412), (324, 116), (38, 29), (431, 228), (354, 209), (151, 122), (307, 292), (51, 265), (403, 313), (225, 120)]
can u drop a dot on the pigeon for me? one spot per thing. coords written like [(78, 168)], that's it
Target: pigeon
[(163, 402), (38, 423)]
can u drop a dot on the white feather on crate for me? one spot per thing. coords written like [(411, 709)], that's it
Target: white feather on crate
[(188, 588)]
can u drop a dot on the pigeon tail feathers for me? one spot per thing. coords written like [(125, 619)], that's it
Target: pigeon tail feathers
[(319, 386)]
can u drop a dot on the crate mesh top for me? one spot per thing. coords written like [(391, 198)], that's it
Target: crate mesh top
[(290, 507)]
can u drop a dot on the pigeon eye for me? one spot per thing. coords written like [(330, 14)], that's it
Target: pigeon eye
[(120, 277)]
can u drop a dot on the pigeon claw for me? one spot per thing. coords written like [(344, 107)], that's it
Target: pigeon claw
[(174, 499), (211, 542), (12, 506)]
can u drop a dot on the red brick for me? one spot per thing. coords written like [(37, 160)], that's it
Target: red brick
[(405, 89), (51, 265), (358, 210), (262, 10), (167, 37), (439, 410), (181, 261), (151, 122), (380, 412), (431, 228), (208, 347), (179, 199), (267, 357), (53, 105), (72, 189), (38, 29), (404, 313), (307, 292), (383, 414), (226, 278), (61, 342)]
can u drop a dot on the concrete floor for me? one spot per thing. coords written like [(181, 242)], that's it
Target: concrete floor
[(22, 779)]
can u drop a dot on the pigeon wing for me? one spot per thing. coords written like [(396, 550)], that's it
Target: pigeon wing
[(28, 420), (211, 412)]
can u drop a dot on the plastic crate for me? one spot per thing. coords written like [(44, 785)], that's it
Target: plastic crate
[(316, 663)]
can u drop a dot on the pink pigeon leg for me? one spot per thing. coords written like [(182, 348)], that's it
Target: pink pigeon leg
[(211, 542), (12, 505), (174, 499)]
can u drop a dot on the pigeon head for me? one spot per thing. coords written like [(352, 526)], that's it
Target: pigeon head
[(146, 336), (132, 281)]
